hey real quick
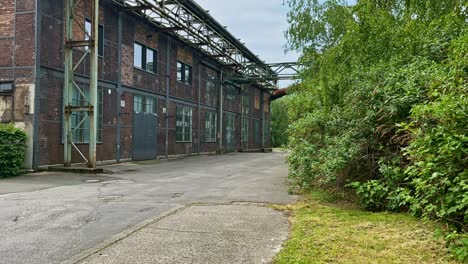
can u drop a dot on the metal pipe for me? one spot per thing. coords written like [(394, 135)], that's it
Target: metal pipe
[(93, 83), (199, 106), (68, 82), (168, 79), (221, 112), (119, 88), (262, 108), (37, 70)]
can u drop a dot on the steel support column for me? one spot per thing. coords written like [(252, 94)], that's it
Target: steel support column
[(221, 110), (90, 48)]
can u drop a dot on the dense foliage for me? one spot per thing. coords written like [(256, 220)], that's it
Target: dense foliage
[(383, 104), (279, 123), (12, 148)]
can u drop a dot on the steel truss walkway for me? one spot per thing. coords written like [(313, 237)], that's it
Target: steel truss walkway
[(192, 24)]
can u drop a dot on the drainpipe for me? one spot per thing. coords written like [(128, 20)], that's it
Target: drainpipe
[(199, 106), (168, 78), (262, 108), (119, 89), (37, 76), (221, 113)]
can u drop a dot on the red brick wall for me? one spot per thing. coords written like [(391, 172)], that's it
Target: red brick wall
[(134, 81)]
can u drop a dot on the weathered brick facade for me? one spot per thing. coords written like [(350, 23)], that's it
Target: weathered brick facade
[(38, 74), (17, 66)]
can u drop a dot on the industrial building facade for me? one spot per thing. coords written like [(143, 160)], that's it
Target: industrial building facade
[(157, 95)]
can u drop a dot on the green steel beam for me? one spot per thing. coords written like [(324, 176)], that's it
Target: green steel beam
[(72, 44), (93, 86), (68, 81)]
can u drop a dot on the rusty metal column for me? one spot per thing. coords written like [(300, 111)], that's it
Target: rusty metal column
[(93, 83)]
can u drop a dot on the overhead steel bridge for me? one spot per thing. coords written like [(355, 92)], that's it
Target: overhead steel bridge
[(194, 25)]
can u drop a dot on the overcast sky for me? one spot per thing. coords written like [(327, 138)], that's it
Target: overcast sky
[(260, 24)]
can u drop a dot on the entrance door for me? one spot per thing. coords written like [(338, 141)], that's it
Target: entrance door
[(230, 132), (144, 136)]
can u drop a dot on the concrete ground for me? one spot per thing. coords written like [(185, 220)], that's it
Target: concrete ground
[(207, 209)]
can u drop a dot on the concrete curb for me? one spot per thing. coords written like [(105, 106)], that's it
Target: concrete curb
[(114, 239)]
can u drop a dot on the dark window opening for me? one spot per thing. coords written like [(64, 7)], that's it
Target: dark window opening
[(212, 90), (145, 58), (184, 73), (88, 28)]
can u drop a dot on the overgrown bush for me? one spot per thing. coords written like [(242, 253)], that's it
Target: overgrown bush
[(279, 123), (12, 150), (383, 104)]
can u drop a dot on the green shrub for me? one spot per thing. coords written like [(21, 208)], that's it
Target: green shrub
[(457, 244), (279, 123), (384, 104), (12, 149)]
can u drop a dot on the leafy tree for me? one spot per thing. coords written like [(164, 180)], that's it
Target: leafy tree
[(383, 103), (279, 123)]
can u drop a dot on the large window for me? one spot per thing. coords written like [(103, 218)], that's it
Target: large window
[(184, 124), (80, 120), (184, 73), (88, 28), (146, 104), (210, 127), (211, 90), (145, 58), (245, 130), (246, 103), (257, 131), (150, 105), (266, 131), (6, 101), (231, 93)]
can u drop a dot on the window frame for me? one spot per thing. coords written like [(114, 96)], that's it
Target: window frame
[(184, 115), (246, 102), (231, 93), (266, 131), (7, 89), (100, 36), (211, 86), (154, 105), (182, 71), (144, 58), (245, 130), (211, 119), (257, 132)]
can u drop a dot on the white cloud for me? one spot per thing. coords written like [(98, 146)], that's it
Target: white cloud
[(260, 24)]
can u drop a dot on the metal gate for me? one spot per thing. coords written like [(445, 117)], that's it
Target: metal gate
[(144, 136), (230, 132)]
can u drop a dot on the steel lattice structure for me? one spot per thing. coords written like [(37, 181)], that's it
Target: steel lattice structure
[(90, 46), (195, 26)]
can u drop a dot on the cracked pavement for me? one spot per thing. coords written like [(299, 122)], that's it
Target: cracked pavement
[(53, 217)]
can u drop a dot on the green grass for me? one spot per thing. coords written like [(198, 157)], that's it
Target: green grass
[(326, 231)]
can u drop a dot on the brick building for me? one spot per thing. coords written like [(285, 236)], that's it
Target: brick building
[(157, 94)]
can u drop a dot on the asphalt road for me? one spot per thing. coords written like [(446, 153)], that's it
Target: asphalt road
[(52, 217)]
